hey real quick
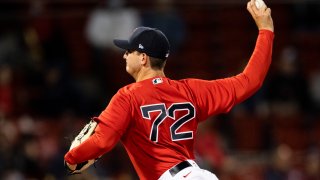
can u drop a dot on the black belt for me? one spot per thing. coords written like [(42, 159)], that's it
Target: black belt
[(177, 168)]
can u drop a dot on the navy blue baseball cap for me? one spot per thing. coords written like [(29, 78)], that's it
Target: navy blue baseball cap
[(146, 40)]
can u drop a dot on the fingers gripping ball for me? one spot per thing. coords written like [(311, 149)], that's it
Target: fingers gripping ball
[(84, 134), (260, 3)]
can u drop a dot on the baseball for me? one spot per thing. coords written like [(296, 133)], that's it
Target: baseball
[(259, 3)]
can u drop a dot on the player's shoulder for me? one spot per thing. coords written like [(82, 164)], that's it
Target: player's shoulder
[(131, 88), (190, 81), (126, 89), (147, 85), (144, 84)]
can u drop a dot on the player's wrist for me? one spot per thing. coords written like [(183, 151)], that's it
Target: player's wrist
[(266, 28), (70, 168), (68, 158)]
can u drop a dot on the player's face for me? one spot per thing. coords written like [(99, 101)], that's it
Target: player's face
[(133, 63)]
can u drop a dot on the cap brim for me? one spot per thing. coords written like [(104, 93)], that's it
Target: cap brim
[(123, 44)]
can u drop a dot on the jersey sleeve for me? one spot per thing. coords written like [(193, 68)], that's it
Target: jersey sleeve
[(112, 123), (118, 112), (102, 141), (219, 96)]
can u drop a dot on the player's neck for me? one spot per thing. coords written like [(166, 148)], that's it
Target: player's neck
[(149, 74)]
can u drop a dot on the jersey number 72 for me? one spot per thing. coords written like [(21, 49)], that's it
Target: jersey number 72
[(170, 112)]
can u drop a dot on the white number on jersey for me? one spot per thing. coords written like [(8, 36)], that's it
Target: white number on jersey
[(170, 112)]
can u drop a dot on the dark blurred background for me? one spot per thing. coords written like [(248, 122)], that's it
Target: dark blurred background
[(58, 68)]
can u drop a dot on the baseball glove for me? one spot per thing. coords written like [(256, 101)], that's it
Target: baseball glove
[(84, 134)]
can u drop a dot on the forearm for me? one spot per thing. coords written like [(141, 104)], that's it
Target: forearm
[(260, 60), (102, 141), (251, 79)]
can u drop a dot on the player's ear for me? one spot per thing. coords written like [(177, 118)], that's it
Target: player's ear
[(143, 58)]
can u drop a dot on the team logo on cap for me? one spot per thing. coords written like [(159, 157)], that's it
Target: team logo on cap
[(140, 46)]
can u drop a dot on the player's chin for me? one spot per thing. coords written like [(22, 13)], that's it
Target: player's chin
[(129, 71)]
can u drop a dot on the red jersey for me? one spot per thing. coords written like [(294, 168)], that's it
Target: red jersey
[(156, 119)]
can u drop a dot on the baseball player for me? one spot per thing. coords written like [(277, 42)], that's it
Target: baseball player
[(156, 118)]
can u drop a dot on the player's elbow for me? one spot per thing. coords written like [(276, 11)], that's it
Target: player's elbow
[(252, 86), (101, 145), (105, 142), (254, 82), (258, 85)]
